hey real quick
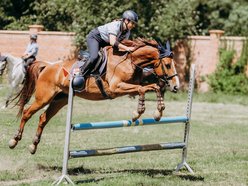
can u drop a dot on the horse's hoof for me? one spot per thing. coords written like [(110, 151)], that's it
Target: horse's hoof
[(157, 115), (32, 149), (135, 116), (12, 143)]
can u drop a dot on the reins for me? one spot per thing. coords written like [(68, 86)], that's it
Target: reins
[(165, 78)]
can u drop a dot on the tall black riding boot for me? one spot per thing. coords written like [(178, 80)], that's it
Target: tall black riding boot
[(85, 69)]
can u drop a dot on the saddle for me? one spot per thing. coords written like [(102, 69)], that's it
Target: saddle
[(100, 66), (98, 70)]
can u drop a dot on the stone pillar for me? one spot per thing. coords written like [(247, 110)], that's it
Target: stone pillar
[(34, 29), (215, 36), (213, 60)]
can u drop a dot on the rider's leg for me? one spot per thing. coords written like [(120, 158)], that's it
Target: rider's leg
[(93, 47), (28, 61)]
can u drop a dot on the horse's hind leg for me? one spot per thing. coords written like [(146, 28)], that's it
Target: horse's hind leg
[(27, 114), (40, 101), (53, 108)]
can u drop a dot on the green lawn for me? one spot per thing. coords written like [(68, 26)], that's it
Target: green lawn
[(218, 148)]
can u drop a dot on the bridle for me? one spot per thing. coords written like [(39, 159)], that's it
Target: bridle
[(164, 77)]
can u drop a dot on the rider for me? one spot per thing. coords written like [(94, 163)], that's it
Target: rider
[(31, 52), (109, 34)]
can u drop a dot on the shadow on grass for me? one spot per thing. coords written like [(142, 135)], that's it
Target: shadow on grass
[(163, 172), (148, 172)]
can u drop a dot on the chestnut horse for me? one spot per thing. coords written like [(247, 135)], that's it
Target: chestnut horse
[(50, 83)]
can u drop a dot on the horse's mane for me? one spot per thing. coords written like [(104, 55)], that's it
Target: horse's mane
[(140, 42), (13, 57), (164, 51)]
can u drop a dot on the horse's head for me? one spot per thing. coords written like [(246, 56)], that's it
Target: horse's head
[(161, 60), (3, 62), (164, 67)]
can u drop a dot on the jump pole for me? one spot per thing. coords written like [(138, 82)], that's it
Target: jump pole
[(127, 123), (64, 175)]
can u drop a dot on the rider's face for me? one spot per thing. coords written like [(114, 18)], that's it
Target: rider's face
[(130, 25)]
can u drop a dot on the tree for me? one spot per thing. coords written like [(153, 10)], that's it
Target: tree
[(225, 15)]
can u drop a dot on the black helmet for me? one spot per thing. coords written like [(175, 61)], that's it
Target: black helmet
[(33, 36), (130, 15)]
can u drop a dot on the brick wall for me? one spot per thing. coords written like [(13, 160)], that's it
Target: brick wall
[(205, 53), (53, 46), (201, 50)]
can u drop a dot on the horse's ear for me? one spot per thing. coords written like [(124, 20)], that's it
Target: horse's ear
[(160, 46), (167, 45)]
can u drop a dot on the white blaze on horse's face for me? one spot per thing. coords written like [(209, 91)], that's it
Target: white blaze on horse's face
[(174, 83)]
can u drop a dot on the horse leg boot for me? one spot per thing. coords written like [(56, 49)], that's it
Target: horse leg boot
[(141, 108), (141, 104), (160, 106)]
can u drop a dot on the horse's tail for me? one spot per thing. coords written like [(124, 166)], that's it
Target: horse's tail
[(28, 88)]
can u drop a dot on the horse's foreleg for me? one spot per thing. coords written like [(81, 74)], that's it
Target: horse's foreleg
[(13, 90), (27, 114), (141, 90), (53, 108), (10, 94), (160, 106)]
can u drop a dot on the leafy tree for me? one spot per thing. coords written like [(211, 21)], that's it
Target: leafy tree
[(173, 19), (225, 15), (230, 78), (16, 14), (167, 19), (5, 19), (237, 23)]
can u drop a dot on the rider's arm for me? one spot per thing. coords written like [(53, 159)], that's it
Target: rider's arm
[(113, 42)]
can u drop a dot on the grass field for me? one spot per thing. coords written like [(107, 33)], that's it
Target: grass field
[(218, 148)]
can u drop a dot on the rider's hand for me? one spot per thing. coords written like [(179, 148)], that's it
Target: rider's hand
[(130, 49)]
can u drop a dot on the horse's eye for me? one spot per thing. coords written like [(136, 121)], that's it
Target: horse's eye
[(168, 66)]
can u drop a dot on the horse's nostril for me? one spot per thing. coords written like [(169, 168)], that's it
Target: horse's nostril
[(175, 89)]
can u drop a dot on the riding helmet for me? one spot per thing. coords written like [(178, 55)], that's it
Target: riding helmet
[(130, 15), (33, 36)]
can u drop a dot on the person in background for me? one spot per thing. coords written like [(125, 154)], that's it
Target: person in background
[(31, 52)]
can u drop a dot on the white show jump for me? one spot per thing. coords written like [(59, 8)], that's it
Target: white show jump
[(185, 119)]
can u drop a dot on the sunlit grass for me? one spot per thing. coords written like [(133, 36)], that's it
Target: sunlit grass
[(217, 151)]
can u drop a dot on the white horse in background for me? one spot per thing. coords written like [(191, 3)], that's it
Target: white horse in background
[(16, 74)]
